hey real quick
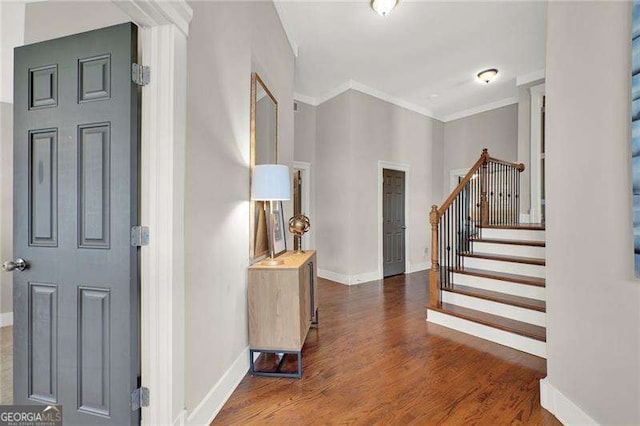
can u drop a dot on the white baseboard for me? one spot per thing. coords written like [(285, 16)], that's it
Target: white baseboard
[(512, 340), (561, 406), (417, 267), (213, 402), (6, 319), (181, 420), (366, 277), (348, 279)]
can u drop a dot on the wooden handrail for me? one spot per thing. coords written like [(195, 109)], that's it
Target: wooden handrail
[(437, 212), (484, 158)]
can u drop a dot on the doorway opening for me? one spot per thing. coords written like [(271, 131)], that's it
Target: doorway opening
[(393, 222), (302, 201)]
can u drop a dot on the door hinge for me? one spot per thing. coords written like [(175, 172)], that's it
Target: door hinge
[(140, 74), (139, 236), (139, 398)]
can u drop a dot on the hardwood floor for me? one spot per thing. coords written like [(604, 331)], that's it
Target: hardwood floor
[(374, 359)]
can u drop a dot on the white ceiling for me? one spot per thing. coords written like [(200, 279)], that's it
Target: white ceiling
[(421, 49)]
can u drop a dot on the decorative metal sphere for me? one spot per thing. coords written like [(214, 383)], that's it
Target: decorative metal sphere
[(299, 225)]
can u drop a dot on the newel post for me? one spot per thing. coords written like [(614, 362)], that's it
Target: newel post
[(484, 184), (434, 271)]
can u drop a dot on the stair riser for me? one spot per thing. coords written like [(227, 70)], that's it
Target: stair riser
[(510, 249), (508, 311), (507, 267), (513, 234), (522, 290), (524, 344)]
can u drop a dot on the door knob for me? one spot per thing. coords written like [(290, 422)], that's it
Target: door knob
[(19, 264)]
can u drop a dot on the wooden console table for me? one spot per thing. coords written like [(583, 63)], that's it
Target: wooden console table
[(283, 305)]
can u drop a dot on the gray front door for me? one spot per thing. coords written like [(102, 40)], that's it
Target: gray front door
[(393, 222), (76, 306)]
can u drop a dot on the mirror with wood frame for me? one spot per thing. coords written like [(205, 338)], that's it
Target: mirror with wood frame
[(264, 150)]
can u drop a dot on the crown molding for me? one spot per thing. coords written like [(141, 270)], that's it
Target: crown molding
[(354, 85), (287, 31), (362, 88), (482, 108), (531, 77)]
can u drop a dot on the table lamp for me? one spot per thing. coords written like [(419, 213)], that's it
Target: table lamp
[(271, 182)]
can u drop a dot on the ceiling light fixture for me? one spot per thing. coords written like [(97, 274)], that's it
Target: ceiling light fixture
[(487, 75), (383, 7)]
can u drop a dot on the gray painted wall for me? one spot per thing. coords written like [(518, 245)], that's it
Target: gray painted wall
[(464, 139), (72, 17), (227, 41), (354, 132), (305, 133), (593, 299)]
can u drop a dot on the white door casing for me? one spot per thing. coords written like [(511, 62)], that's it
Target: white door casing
[(537, 93), (163, 30), (308, 241)]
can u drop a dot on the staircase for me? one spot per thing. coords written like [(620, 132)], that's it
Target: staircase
[(487, 276)]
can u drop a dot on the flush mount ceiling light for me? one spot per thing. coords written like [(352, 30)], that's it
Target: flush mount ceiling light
[(383, 7), (487, 75)]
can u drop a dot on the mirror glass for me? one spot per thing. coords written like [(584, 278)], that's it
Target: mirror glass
[(264, 150)]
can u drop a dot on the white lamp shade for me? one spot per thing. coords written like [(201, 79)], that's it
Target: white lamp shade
[(271, 182)]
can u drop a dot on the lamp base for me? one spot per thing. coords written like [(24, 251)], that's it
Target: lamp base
[(272, 262)]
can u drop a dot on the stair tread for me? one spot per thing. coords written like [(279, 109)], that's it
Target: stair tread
[(502, 276), (505, 258), (517, 327), (511, 242), (509, 299), (524, 226)]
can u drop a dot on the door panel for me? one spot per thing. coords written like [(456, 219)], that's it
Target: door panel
[(76, 308), (393, 222)]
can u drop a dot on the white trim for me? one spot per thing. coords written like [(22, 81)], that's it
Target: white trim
[(214, 400), (525, 218), (537, 92), (362, 88), (517, 313), (512, 340), (392, 99), (338, 90), (508, 287), (287, 31), (418, 266), (308, 241), (479, 109), (531, 77), (305, 99), (6, 319), (163, 29), (401, 167), (562, 407), (181, 420), (354, 85), (152, 13), (348, 279)]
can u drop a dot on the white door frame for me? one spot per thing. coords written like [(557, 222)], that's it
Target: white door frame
[(537, 93), (401, 167), (308, 241), (163, 29)]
